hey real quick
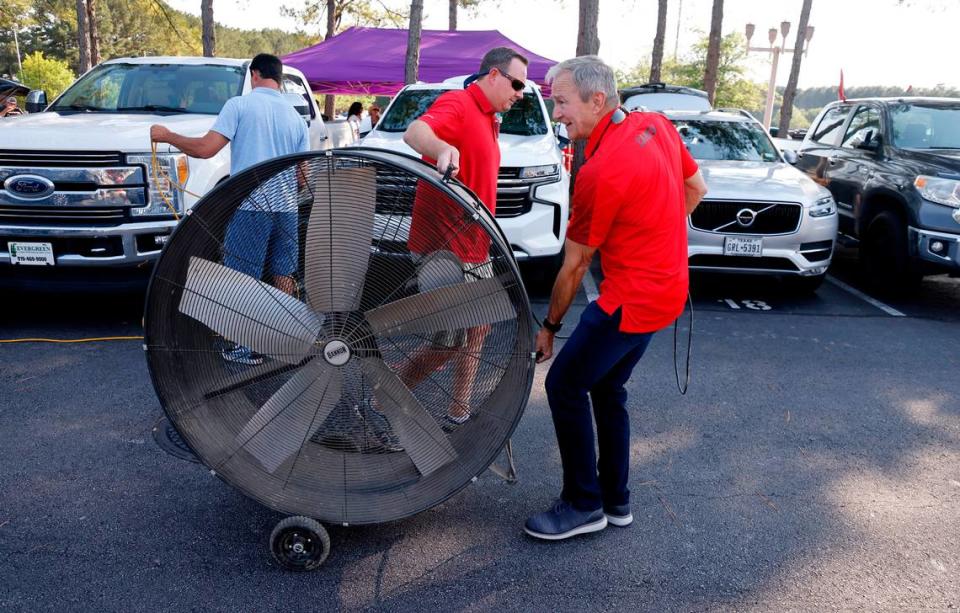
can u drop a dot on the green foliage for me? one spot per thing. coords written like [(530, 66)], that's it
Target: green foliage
[(733, 88), (347, 13), (15, 14), (818, 97), (52, 76), (131, 28)]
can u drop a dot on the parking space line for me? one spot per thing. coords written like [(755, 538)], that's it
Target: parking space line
[(590, 286), (889, 310)]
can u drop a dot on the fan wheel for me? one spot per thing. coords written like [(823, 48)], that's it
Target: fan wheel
[(335, 401), (299, 543)]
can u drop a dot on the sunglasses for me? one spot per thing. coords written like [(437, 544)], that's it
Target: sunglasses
[(516, 84)]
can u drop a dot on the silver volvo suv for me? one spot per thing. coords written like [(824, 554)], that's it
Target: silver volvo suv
[(761, 215)]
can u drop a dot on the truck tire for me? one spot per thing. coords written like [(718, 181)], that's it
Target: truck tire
[(884, 257)]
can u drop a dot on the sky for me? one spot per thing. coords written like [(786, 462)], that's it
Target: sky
[(874, 42)]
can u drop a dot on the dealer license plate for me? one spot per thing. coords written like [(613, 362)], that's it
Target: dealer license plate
[(742, 245), (31, 254)]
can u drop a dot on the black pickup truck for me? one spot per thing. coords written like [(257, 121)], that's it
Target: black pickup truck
[(893, 166)]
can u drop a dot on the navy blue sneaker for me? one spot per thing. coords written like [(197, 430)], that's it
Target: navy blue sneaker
[(618, 515), (563, 521), (242, 355)]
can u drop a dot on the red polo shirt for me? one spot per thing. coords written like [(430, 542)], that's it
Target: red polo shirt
[(629, 203), (466, 120)]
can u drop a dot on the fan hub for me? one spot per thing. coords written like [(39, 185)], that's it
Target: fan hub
[(336, 353)]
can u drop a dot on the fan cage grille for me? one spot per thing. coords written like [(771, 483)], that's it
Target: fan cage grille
[(351, 463)]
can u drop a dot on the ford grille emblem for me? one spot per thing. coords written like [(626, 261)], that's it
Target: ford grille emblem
[(746, 217), (28, 187)]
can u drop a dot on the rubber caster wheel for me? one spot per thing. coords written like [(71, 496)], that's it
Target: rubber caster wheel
[(299, 543)]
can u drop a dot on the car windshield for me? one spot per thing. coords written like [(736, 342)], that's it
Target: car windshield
[(525, 118), (919, 126), (407, 106), (153, 88), (742, 141)]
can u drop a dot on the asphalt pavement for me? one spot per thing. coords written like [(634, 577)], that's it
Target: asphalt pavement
[(813, 465)]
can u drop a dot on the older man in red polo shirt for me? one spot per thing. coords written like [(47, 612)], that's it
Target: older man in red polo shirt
[(630, 203), (459, 132)]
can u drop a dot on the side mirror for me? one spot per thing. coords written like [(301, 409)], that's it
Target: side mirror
[(36, 101), (790, 156), (871, 142), (300, 104)]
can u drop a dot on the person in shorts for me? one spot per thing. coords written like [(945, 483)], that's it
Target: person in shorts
[(262, 235)]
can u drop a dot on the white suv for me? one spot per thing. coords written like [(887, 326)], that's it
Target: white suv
[(533, 185)]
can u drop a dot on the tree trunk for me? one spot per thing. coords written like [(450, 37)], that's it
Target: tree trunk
[(328, 100), (588, 41), (209, 33), (413, 42), (713, 51), (94, 32), (786, 109), (453, 15), (83, 40), (657, 59)]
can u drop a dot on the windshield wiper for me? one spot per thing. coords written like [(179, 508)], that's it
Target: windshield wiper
[(78, 107), (154, 107)]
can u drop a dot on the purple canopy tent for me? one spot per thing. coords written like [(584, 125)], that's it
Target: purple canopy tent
[(371, 60)]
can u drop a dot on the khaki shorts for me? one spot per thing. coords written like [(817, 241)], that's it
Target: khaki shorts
[(442, 269)]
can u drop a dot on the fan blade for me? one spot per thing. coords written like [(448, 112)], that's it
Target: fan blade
[(285, 421), (249, 312), (337, 249), (421, 437), (463, 305)]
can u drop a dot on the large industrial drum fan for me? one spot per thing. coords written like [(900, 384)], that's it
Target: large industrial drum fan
[(387, 368)]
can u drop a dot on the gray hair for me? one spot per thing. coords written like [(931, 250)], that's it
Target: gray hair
[(589, 75), (500, 58)]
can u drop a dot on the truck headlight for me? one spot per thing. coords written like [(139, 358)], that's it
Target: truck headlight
[(538, 172), (941, 191), (824, 207), (171, 166)]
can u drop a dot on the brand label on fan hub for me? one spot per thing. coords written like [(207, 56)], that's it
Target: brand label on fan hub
[(336, 353)]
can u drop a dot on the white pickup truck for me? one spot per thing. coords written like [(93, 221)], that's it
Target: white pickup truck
[(78, 189), (533, 185)]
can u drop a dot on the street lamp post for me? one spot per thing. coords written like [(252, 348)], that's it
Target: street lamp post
[(775, 51), (16, 43)]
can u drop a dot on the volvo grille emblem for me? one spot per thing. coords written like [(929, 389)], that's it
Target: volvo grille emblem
[(28, 187), (746, 217)]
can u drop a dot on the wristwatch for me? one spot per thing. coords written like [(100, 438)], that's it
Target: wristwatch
[(549, 325)]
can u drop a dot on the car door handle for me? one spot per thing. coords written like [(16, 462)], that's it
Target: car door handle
[(832, 160)]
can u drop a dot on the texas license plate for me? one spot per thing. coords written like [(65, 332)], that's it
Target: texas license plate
[(742, 245), (31, 254)]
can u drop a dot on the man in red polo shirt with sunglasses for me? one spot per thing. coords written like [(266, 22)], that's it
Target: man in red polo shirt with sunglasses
[(459, 133), (630, 203)]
